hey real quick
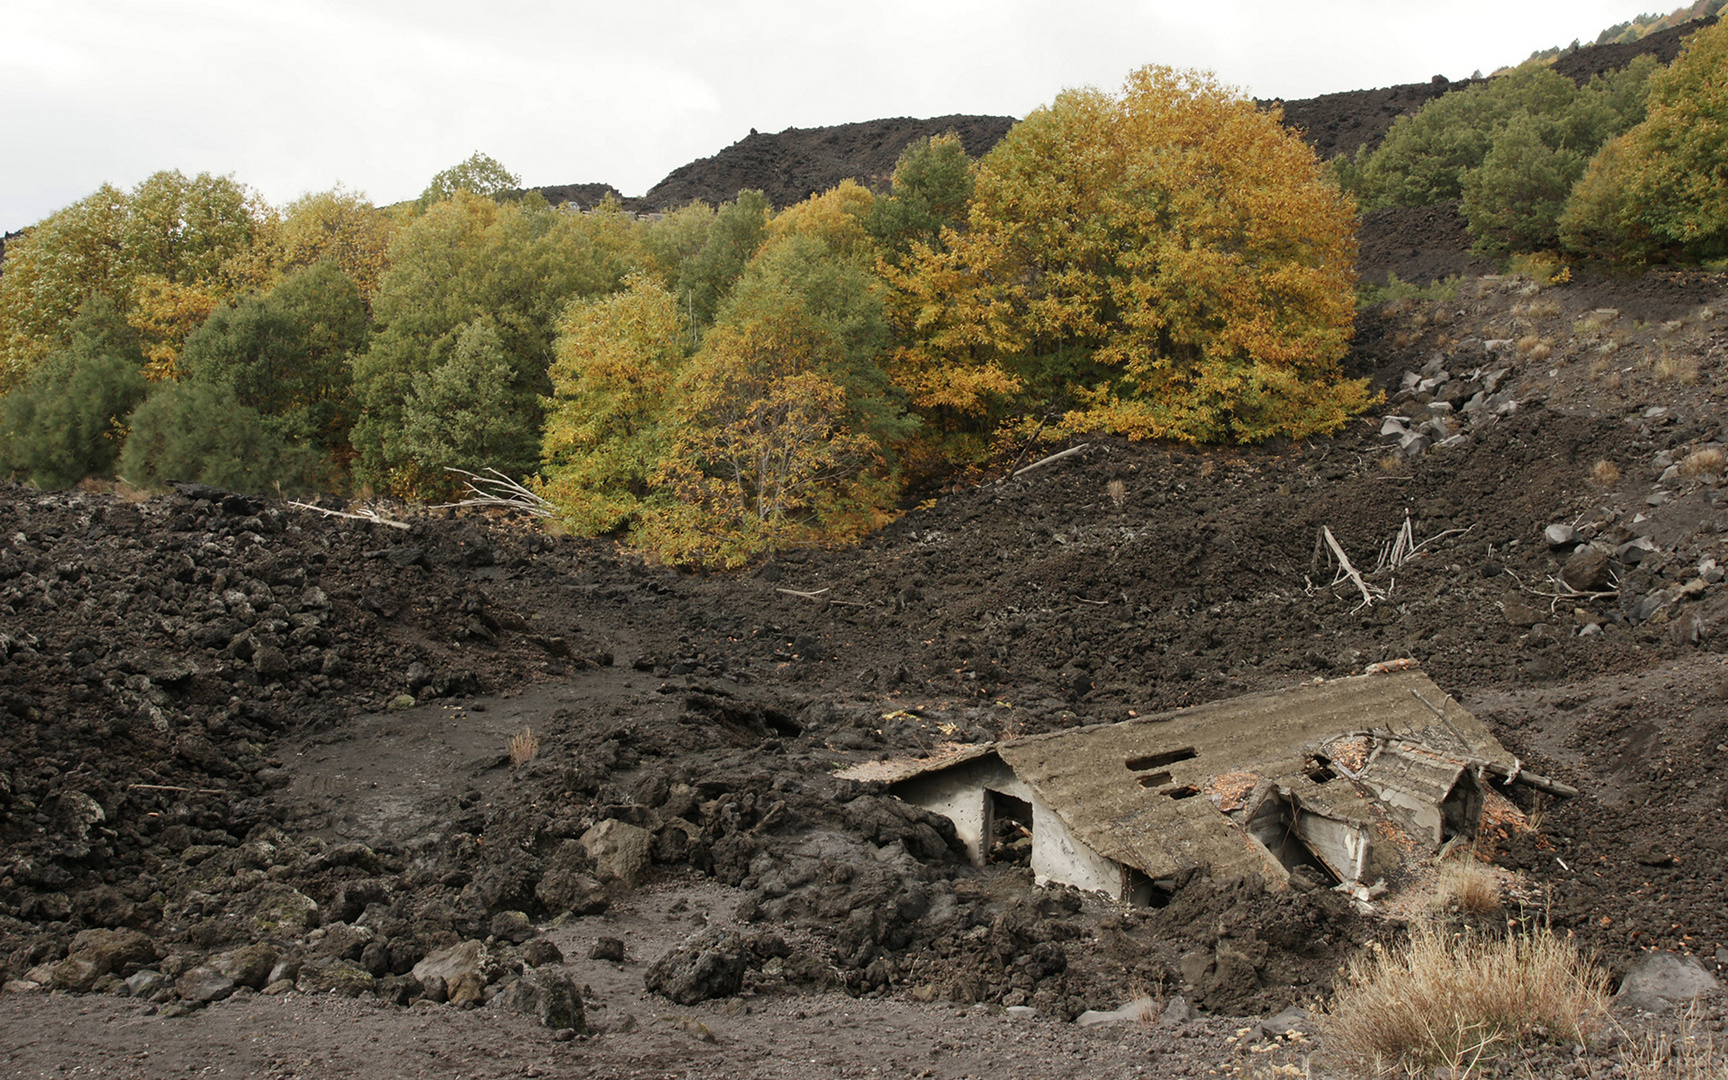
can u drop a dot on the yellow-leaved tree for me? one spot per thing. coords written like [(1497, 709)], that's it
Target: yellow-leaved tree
[(1167, 262)]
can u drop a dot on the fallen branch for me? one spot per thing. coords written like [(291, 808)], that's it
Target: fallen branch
[(181, 790), (1349, 571), (365, 515), (1099, 603), (817, 595), (500, 491), (1041, 462)]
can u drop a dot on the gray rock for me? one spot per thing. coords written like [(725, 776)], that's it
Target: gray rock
[(570, 891), (1558, 536), (710, 966), (608, 948), (1139, 1011), (1177, 1011), (203, 984), (142, 984), (1394, 425), (548, 995), (540, 952), (619, 850), (1021, 1012), (249, 965), (1668, 976)]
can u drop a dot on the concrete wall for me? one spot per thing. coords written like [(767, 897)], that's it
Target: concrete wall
[(962, 795)]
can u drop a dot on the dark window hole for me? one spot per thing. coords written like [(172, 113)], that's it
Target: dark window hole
[(1155, 780), (1187, 791), (1159, 761)]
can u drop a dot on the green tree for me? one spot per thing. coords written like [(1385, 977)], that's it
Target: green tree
[(1663, 189), (737, 232), (675, 239), (931, 191), (478, 175), (66, 422), (466, 412), (286, 355), (467, 258), (201, 432), (1424, 157)]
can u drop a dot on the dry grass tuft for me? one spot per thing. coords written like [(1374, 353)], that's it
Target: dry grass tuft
[(1685, 1053), (1451, 1001), (523, 746), (1680, 369), (1467, 887), (1605, 473), (1706, 462), (1535, 348), (1118, 491)]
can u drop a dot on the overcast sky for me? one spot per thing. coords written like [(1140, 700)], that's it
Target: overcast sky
[(292, 96)]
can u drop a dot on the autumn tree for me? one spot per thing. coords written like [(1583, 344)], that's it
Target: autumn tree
[(1170, 262), (164, 253), (608, 420), (339, 227)]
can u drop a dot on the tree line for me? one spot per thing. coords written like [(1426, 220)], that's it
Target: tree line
[(1627, 167), (1166, 261)]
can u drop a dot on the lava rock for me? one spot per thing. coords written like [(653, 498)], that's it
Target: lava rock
[(710, 966)]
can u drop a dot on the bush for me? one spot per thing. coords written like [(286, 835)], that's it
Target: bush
[(203, 433), (1451, 1000), (67, 422)]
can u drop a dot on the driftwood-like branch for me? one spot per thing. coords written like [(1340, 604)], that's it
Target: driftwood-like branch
[(500, 491), (1041, 462), (1349, 571), (181, 790), (817, 595), (365, 515)]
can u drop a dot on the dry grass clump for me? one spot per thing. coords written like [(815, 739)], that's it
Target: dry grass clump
[(1680, 369), (1453, 1000), (523, 746), (1534, 347), (1706, 462), (1605, 473), (1467, 887), (1118, 491), (1685, 1053)]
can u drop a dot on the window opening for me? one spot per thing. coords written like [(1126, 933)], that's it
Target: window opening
[(1010, 830), (1159, 761)]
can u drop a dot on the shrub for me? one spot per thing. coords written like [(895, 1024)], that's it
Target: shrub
[(1451, 1000), (202, 432), (67, 422)]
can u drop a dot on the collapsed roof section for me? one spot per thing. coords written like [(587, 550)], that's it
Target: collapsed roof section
[(1349, 778)]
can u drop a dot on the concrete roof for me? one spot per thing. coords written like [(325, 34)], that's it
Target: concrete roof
[(1137, 791)]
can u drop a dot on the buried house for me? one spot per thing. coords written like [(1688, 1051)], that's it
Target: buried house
[(1348, 778)]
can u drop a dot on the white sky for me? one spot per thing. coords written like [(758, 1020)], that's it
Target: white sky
[(292, 96)]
